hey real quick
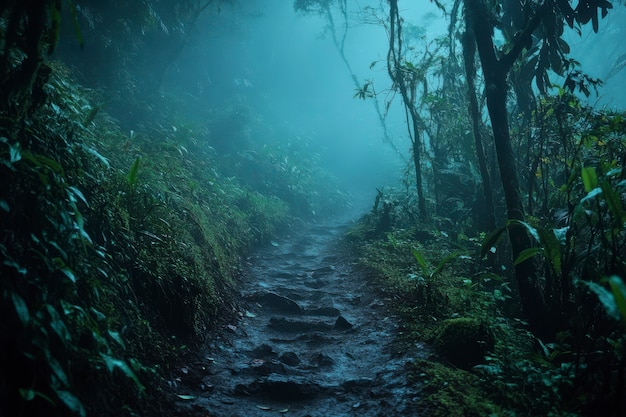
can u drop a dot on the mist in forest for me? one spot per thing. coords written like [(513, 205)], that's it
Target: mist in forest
[(286, 68)]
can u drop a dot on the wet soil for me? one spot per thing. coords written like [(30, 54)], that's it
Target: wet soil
[(313, 339)]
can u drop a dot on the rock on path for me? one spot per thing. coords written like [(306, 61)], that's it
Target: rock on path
[(314, 340)]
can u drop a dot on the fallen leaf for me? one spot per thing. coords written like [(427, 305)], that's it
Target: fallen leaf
[(186, 397), (275, 244), (231, 327), (250, 315), (284, 410), (263, 407)]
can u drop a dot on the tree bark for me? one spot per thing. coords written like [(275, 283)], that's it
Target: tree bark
[(469, 52), (495, 73), (394, 68)]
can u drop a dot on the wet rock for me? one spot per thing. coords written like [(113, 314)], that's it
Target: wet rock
[(316, 284), (464, 341), (321, 359), (356, 385), (277, 302), (323, 271), (280, 388), (315, 339), (342, 324), (295, 326), (289, 358), (324, 311), (263, 351), (283, 274), (263, 367)]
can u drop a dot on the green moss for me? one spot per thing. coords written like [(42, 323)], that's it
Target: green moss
[(464, 341), (452, 392)]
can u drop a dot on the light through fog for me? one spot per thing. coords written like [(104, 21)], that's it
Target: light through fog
[(287, 67)]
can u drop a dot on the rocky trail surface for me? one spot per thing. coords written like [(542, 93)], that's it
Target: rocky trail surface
[(313, 339)]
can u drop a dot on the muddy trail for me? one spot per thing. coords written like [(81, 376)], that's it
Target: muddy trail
[(313, 339)]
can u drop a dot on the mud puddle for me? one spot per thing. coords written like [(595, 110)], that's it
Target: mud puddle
[(313, 340)]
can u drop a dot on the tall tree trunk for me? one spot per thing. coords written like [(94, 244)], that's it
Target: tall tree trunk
[(469, 53), (495, 73), (395, 70), (417, 162)]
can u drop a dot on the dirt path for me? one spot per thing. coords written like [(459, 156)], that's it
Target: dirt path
[(315, 340)]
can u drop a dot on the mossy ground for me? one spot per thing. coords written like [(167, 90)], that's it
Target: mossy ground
[(513, 378)]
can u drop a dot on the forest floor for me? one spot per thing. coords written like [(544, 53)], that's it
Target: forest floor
[(312, 338)]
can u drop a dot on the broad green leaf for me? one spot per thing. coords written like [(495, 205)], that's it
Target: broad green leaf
[(421, 261), (80, 226), (11, 263), (551, 249), (527, 254), (58, 325), (443, 263), (590, 179), (64, 269), (613, 201), (606, 299), (619, 294), (488, 276), (528, 227), (69, 273), (97, 154), (20, 308), (14, 153), (71, 402), (75, 192), (591, 194), (57, 370), (118, 339), (113, 363), (491, 240), (133, 172), (42, 160), (27, 394)]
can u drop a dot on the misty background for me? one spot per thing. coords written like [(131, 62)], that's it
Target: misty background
[(286, 66), (282, 74)]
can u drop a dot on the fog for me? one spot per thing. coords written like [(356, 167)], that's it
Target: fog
[(288, 68), (603, 55)]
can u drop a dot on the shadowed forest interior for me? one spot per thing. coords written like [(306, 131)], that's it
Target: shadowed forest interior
[(312, 208)]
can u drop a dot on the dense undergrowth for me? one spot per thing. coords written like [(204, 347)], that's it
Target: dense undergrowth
[(454, 289), (121, 248)]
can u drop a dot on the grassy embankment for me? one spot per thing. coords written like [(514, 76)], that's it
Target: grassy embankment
[(122, 249)]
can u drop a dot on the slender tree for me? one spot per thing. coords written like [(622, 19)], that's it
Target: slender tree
[(545, 20), (405, 80), (469, 56)]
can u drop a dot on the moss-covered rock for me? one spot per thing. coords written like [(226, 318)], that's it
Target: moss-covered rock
[(464, 341)]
